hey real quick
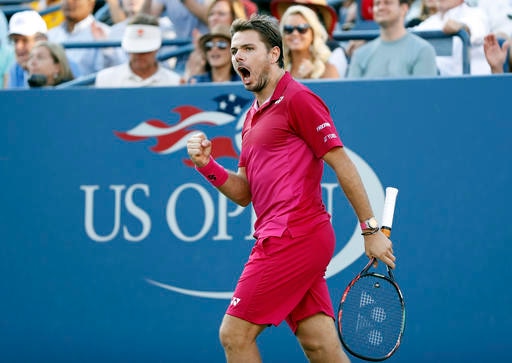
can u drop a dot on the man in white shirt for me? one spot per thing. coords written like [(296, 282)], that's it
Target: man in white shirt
[(498, 12), (141, 40), (451, 17), (80, 25)]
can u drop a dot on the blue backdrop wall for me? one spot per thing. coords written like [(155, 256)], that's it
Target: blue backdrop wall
[(115, 250)]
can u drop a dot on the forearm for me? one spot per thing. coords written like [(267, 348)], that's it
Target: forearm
[(146, 8), (198, 9), (354, 190), (497, 69), (236, 188), (350, 181), (116, 12), (233, 185)]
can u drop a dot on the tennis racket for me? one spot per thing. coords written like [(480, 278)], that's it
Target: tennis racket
[(371, 314)]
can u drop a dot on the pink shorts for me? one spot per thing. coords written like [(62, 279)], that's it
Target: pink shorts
[(284, 279)]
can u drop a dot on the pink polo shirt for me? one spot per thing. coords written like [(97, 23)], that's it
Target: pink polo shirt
[(283, 143)]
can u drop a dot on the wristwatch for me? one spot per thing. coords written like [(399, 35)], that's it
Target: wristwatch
[(369, 226)]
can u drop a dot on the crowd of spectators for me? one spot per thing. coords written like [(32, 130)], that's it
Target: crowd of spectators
[(34, 51)]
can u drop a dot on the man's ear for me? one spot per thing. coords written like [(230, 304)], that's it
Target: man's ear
[(275, 52)]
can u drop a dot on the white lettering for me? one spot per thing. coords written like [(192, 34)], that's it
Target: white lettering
[(137, 212), (89, 212), (329, 187), (323, 126), (208, 208), (223, 214), (329, 137)]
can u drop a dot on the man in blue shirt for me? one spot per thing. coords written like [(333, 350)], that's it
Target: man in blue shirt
[(396, 52), (25, 29)]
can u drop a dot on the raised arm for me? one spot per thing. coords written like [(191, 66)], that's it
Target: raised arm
[(233, 185), (496, 56), (198, 9)]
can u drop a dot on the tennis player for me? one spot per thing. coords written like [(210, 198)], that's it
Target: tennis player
[(287, 136)]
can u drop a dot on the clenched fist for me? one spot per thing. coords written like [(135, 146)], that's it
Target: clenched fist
[(199, 149)]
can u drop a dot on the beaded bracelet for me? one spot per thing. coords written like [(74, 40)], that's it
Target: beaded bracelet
[(368, 232)]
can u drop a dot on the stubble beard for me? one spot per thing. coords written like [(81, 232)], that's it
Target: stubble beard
[(262, 81)]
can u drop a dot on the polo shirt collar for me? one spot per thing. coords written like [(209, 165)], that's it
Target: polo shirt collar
[(81, 25), (281, 86), (278, 91)]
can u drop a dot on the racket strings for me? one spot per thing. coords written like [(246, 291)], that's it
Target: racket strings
[(371, 318)]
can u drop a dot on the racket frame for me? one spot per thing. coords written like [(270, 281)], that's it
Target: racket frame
[(390, 278)]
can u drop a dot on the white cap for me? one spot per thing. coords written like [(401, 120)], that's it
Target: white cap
[(27, 22), (139, 38)]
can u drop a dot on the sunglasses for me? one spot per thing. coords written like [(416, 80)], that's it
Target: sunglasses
[(302, 28), (221, 44)]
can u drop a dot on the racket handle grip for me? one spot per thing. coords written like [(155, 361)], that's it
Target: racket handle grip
[(386, 231), (389, 210)]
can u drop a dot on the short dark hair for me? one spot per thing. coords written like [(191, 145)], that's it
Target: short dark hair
[(144, 19), (268, 29)]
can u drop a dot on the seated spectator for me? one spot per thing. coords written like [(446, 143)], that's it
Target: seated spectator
[(396, 52), (25, 29), (120, 10), (127, 10), (347, 14), (225, 12), (305, 52), (219, 12), (327, 17), (427, 8), (217, 47), (188, 16), (80, 25), (141, 40), (48, 65), (496, 56), (499, 14), (123, 12), (451, 17), (6, 52)]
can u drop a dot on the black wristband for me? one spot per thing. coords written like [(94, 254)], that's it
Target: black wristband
[(368, 232)]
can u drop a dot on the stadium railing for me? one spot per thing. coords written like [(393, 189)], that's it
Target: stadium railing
[(441, 42), (10, 7)]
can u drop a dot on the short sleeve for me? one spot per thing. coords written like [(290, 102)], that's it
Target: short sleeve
[(311, 120)]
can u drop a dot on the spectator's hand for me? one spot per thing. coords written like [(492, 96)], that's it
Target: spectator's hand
[(495, 55), (97, 32), (452, 27), (199, 149), (196, 34), (195, 63)]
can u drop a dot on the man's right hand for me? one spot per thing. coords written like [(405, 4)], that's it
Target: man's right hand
[(199, 149)]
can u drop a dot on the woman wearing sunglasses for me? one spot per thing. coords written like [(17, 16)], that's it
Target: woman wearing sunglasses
[(306, 54), (217, 47), (219, 12)]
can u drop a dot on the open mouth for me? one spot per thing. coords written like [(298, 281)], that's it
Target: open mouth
[(244, 72)]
